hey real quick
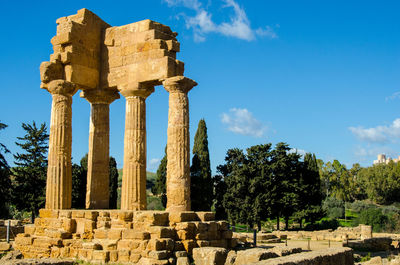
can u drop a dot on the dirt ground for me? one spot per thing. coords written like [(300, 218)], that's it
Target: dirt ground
[(306, 245)]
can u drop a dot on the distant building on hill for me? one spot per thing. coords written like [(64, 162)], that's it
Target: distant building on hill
[(383, 160)]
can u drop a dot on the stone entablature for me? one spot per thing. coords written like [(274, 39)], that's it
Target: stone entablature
[(155, 237), (103, 61)]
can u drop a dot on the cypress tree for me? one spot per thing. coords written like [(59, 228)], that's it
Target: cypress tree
[(160, 187), (113, 183), (30, 172), (5, 182), (201, 187)]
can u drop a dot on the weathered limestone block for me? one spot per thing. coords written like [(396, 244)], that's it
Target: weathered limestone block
[(123, 255), (29, 229), (182, 261), (182, 216), (156, 244), (59, 178), (209, 256), (77, 45), (101, 255), (366, 231), (206, 216), (97, 193), (50, 71), (162, 232), (133, 191), (284, 250), (113, 255), (231, 258), (178, 144), (342, 256), (133, 234), (253, 255)]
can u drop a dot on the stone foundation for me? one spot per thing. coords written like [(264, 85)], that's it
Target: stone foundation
[(151, 237)]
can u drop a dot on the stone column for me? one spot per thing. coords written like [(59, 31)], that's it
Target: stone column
[(59, 178), (133, 191), (178, 144), (97, 188)]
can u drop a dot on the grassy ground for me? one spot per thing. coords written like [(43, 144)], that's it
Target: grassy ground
[(348, 220)]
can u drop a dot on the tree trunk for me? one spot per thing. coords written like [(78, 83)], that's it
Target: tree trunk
[(277, 222), (33, 216), (301, 223), (286, 223), (259, 226)]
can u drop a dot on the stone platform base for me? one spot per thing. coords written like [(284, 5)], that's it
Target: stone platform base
[(146, 237)]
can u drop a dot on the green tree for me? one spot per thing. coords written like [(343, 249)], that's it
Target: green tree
[(113, 183), (5, 182), (30, 171), (201, 187), (79, 181), (262, 184), (237, 201), (219, 191), (310, 192), (286, 172), (160, 187)]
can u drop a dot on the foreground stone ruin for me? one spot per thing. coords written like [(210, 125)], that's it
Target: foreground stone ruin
[(151, 237)]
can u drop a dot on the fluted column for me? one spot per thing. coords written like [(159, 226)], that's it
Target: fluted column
[(97, 188), (133, 191), (59, 178), (178, 143)]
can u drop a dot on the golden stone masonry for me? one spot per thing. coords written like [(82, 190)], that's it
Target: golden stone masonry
[(101, 61), (104, 62)]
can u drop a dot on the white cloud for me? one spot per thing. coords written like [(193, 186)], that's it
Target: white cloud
[(267, 32), (299, 151), (393, 96), (153, 164), (242, 121), (370, 153), (379, 134), (238, 25)]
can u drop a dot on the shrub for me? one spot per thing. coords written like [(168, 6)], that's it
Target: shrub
[(323, 225), (373, 217), (359, 206), (333, 207)]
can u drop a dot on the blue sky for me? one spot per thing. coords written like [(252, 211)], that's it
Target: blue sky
[(323, 76)]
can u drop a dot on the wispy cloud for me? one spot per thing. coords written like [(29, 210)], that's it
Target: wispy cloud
[(238, 25), (153, 164), (393, 96), (242, 121), (378, 134)]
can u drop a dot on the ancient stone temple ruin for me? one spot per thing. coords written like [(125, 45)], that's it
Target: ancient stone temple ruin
[(103, 62)]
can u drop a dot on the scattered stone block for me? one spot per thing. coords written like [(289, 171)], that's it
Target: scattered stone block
[(209, 255)]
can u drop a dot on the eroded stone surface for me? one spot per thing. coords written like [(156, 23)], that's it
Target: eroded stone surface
[(144, 237), (101, 60)]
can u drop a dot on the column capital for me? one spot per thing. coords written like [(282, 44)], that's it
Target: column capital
[(100, 96), (142, 91), (179, 84), (62, 87)]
